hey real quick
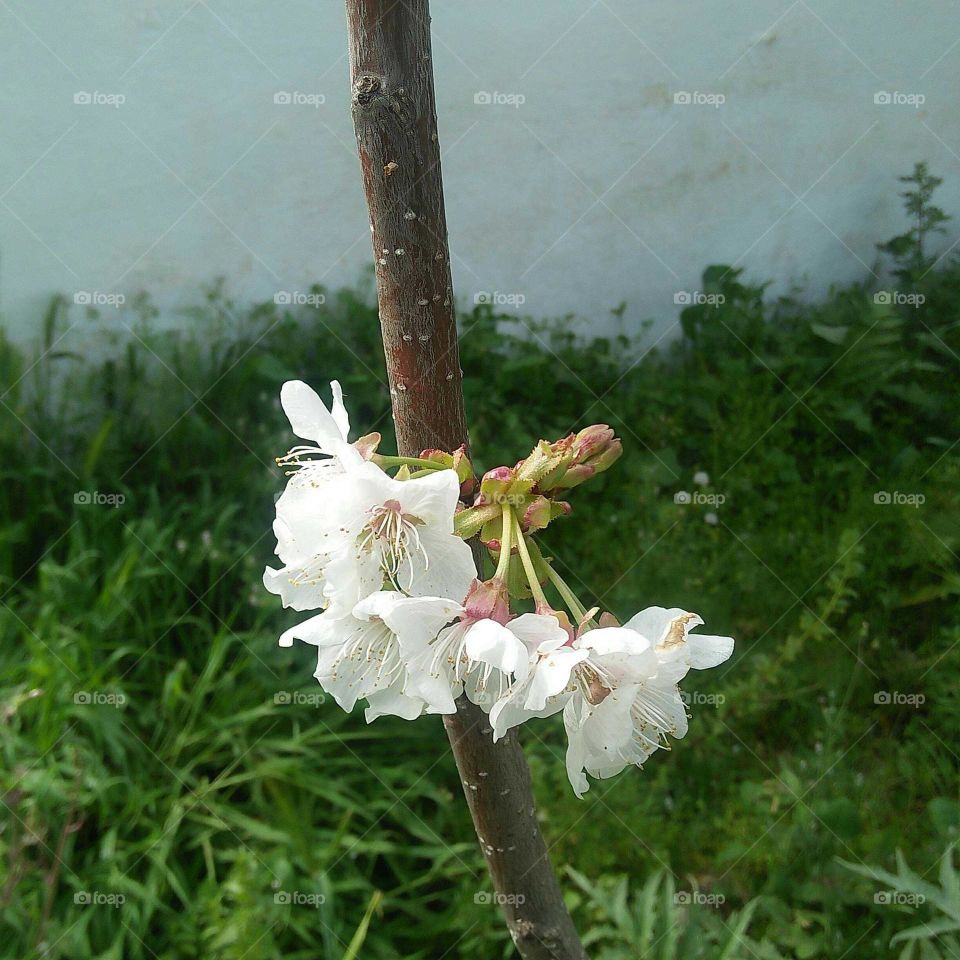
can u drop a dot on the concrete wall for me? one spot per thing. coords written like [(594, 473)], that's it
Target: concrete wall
[(583, 182)]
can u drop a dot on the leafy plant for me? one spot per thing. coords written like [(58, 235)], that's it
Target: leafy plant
[(660, 923), (936, 938)]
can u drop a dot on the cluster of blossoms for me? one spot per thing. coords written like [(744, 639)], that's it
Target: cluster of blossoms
[(406, 625)]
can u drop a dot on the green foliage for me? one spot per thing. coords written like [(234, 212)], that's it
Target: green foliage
[(661, 923), (147, 756), (906, 891)]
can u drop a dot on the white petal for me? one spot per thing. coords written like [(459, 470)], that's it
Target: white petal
[(309, 418), (605, 640), (445, 568), (608, 727), (624, 655), (392, 702), (356, 659), (436, 691), (538, 630), (489, 642), (415, 620), (432, 498), (352, 575), (509, 712), (655, 623), (295, 596), (706, 651), (325, 629), (576, 754), (338, 411), (551, 675)]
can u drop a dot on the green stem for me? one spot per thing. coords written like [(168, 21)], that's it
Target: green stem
[(388, 463), (569, 597), (506, 545), (538, 595)]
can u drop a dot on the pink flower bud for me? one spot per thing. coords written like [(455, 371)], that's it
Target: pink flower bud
[(591, 441), (536, 516), (495, 485)]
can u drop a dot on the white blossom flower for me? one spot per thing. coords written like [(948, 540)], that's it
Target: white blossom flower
[(617, 686), (539, 683), (364, 655), (344, 527), (398, 532), (701, 478), (476, 657), (304, 523), (617, 716)]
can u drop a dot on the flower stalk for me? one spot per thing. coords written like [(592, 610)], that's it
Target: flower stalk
[(540, 598), (506, 544), (569, 597)]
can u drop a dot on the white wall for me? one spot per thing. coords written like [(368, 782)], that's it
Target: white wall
[(598, 189)]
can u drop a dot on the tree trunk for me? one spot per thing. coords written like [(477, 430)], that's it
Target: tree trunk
[(394, 115)]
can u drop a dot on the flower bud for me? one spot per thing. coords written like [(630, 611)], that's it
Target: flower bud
[(591, 441), (608, 456), (540, 511), (591, 451), (495, 485)]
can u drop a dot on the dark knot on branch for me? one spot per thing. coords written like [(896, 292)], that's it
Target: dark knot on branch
[(366, 88)]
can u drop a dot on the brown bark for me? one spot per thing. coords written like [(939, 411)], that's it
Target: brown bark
[(394, 114)]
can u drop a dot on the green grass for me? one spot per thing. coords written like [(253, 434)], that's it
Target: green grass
[(189, 791)]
